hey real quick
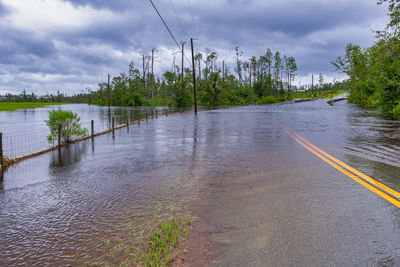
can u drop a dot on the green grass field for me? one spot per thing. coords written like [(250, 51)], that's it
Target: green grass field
[(12, 106)]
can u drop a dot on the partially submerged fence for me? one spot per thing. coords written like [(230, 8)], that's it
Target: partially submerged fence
[(15, 148)]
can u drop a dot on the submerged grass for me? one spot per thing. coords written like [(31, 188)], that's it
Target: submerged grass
[(160, 248), (157, 229), (12, 106), (8, 162)]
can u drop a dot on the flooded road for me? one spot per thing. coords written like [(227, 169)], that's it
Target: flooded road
[(278, 203)]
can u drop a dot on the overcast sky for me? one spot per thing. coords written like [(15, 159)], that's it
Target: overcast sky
[(50, 45)]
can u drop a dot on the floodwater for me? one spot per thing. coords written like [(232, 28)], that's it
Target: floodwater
[(25, 130), (281, 204)]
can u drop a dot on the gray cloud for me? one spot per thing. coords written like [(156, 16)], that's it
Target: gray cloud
[(75, 44)]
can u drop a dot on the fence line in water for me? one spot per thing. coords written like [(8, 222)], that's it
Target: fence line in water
[(16, 148)]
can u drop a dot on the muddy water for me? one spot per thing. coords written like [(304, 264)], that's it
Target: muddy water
[(280, 204)]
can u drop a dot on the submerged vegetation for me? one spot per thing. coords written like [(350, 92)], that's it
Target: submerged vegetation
[(161, 247), (64, 124), (156, 235), (374, 72), (7, 162)]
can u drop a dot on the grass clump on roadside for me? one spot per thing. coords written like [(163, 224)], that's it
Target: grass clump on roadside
[(159, 248), (12, 106)]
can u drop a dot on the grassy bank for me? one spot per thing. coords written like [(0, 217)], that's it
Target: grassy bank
[(323, 94), (12, 106)]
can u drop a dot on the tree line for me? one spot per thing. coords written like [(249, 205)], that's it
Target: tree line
[(270, 75), (59, 97), (256, 80), (374, 72)]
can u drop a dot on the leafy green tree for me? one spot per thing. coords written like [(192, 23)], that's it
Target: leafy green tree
[(292, 70), (374, 72), (198, 58), (277, 68), (69, 123), (238, 68), (392, 28)]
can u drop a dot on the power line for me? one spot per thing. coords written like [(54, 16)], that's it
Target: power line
[(179, 20), (166, 26), (194, 25)]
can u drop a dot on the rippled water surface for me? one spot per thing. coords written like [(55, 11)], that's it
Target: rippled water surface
[(60, 207)]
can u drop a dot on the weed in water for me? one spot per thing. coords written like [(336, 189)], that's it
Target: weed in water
[(7, 162)]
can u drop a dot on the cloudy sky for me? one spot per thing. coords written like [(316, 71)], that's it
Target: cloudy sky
[(50, 45)]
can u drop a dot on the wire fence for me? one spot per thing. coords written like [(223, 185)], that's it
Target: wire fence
[(31, 143)]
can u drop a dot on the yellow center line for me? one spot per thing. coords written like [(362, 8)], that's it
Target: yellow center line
[(346, 172), (348, 167)]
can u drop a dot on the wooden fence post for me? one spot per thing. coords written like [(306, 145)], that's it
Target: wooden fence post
[(92, 126), (59, 136), (1, 152), (113, 125)]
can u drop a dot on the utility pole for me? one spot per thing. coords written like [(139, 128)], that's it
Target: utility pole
[(312, 85), (223, 70), (194, 79), (250, 75), (199, 70), (144, 75), (152, 73), (1, 153), (109, 90), (183, 54)]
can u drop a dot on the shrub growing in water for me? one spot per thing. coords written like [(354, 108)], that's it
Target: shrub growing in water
[(70, 126)]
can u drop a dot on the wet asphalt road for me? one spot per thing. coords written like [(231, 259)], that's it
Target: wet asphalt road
[(283, 206)]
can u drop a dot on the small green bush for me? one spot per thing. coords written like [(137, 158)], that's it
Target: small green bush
[(396, 111), (70, 126)]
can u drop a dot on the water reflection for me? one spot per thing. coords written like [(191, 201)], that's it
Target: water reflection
[(68, 155)]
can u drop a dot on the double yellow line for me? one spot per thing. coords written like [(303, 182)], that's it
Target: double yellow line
[(378, 188)]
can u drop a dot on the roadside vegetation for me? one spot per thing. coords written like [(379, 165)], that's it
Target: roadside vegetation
[(7, 162), (374, 71), (161, 247), (66, 125)]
